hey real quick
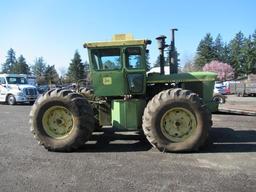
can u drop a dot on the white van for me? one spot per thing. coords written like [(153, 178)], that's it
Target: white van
[(14, 88)]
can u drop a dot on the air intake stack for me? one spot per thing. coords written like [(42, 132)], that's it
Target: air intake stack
[(161, 47)]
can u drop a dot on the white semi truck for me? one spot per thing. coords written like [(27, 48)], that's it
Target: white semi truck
[(14, 88)]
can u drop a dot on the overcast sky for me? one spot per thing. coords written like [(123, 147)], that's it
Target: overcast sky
[(54, 29)]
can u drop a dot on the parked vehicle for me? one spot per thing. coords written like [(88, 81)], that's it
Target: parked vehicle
[(246, 88), (14, 88), (173, 110), (219, 88), (219, 92)]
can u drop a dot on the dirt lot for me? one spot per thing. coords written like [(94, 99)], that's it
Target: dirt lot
[(121, 162)]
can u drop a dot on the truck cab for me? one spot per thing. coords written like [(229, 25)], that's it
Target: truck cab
[(14, 88)]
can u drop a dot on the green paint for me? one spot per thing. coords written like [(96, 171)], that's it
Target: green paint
[(111, 71), (118, 70), (127, 114), (181, 77)]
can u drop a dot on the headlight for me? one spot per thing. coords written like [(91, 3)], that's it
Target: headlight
[(20, 94)]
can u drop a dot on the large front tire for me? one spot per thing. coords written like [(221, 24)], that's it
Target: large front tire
[(175, 120), (61, 120)]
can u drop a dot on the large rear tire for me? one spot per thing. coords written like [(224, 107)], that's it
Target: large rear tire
[(175, 120), (61, 120)]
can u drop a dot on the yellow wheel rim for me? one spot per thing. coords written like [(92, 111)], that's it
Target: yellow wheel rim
[(58, 122), (177, 124)]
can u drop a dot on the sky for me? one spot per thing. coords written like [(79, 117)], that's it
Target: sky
[(55, 29)]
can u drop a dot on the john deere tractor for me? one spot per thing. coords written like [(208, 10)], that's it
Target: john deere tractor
[(172, 109)]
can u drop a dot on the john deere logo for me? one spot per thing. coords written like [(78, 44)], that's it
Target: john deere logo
[(107, 80)]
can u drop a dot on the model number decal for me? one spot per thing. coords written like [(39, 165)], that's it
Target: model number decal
[(107, 81)]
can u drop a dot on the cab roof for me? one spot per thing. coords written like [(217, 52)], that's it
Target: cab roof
[(12, 75), (118, 40)]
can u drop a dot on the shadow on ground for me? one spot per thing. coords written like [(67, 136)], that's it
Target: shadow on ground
[(230, 140), (220, 140), (110, 141)]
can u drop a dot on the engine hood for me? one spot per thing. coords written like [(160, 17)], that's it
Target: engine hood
[(20, 87)]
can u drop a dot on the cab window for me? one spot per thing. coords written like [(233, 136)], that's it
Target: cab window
[(107, 59), (2, 80), (133, 58), (16, 80)]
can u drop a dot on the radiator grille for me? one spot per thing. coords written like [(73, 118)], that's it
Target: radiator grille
[(30, 91)]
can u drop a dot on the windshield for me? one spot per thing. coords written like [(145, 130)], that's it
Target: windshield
[(16, 80), (133, 58), (107, 59)]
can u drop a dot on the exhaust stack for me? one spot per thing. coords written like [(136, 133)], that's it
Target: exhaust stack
[(161, 47)]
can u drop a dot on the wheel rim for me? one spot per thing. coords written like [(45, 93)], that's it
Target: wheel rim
[(218, 100), (11, 100), (177, 124), (58, 122)]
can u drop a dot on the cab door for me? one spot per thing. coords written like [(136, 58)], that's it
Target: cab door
[(2, 89), (135, 70), (107, 73)]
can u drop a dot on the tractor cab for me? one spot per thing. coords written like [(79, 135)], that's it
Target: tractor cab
[(118, 67)]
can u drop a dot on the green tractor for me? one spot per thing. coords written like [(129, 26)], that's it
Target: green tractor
[(172, 110)]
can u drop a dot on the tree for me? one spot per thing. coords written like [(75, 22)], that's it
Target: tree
[(51, 75), (147, 61), (76, 68), (219, 48), (21, 66), (254, 52), (10, 61), (38, 70), (205, 51), (248, 57), (236, 55), (39, 67), (189, 66), (226, 54), (157, 62), (224, 70)]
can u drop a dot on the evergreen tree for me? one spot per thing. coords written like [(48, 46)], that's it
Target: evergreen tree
[(236, 55), (205, 51), (39, 67), (226, 54), (253, 56), (157, 62), (38, 70), (76, 68), (10, 61), (247, 53), (219, 48), (21, 66), (86, 69), (147, 62), (51, 75)]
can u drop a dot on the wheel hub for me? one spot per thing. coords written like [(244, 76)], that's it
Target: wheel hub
[(177, 124), (58, 122)]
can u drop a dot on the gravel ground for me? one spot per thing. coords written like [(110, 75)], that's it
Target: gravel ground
[(122, 162)]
